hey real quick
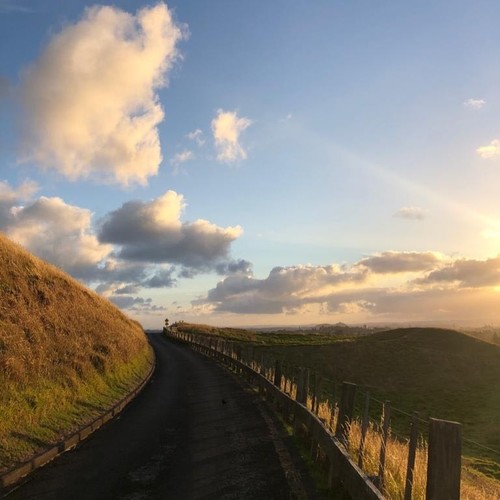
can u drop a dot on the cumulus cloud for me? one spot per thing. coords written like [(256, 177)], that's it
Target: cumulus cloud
[(91, 103), (136, 304), (163, 278), (285, 289), (474, 103), (490, 151), (59, 233), (240, 266), (197, 136), (127, 289), (10, 196), (401, 262), (153, 232), (127, 301), (227, 128), (412, 213), (361, 289), (466, 273)]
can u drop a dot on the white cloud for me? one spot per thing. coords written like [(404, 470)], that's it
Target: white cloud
[(227, 128), (59, 233), (24, 192), (92, 109), (182, 157), (412, 213), (490, 151), (474, 103), (196, 136)]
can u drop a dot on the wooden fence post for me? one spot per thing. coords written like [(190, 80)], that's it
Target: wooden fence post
[(307, 378), (278, 369), (412, 451), (383, 445), (364, 429), (444, 460), (300, 385), (345, 411)]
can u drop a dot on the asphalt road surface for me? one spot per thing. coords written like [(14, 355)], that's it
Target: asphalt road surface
[(193, 433)]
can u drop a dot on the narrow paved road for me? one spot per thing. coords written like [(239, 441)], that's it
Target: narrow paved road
[(193, 433)]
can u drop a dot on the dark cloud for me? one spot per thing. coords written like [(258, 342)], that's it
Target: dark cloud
[(152, 232), (400, 262), (126, 301), (136, 304), (161, 279), (239, 266)]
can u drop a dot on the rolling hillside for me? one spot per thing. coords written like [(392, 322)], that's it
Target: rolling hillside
[(65, 354), (440, 373)]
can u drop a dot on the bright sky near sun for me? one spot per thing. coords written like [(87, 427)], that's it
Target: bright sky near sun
[(258, 163)]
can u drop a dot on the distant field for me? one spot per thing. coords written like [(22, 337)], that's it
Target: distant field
[(440, 373)]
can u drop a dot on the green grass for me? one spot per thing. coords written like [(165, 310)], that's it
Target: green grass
[(282, 337), (66, 354), (440, 373)]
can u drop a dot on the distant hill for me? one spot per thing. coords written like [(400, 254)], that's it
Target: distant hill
[(66, 354)]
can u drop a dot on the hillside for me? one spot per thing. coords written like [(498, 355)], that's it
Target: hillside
[(437, 372), (65, 354), (440, 373)]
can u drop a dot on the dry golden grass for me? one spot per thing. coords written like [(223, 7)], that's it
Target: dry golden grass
[(65, 353), (474, 485)]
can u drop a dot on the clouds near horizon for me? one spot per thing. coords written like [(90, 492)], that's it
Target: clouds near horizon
[(438, 284), (400, 262), (91, 104)]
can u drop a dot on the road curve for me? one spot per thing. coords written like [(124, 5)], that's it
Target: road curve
[(193, 433)]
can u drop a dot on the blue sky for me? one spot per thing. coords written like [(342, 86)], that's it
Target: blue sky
[(251, 163)]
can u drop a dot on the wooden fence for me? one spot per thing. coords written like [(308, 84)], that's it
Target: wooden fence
[(298, 400)]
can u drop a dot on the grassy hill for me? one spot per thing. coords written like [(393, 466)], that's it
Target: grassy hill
[(440, 373), (66, 354)]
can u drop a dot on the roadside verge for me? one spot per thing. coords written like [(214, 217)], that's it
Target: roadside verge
[(12, 476)]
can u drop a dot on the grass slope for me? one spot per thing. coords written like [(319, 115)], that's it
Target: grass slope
[(440, 373), (65, 354)]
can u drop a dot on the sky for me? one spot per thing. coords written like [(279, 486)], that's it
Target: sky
[(258, 163)]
